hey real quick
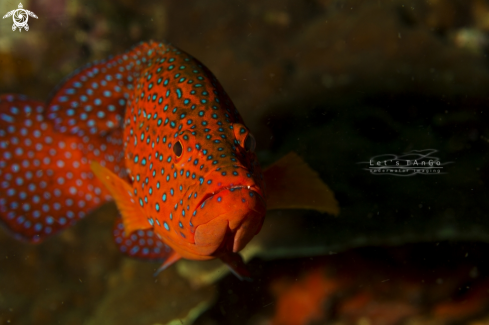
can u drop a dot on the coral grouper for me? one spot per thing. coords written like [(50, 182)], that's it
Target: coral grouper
[(164, 141)]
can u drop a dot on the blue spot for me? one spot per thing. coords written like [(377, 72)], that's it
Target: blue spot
[(166, 226), (219, 199)]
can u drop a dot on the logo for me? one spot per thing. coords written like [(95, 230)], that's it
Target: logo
[(408, 164), (20, 17)]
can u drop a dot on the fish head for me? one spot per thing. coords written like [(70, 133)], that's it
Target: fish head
[(230, 205), (191, 159), (227, 200)]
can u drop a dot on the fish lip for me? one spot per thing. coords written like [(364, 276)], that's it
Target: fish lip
[(207, 196)]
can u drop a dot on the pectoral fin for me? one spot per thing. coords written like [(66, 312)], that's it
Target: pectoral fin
[(132, 215), (172, 258), (236, 264), (292, 184)]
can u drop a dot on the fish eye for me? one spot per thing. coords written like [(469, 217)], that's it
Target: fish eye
[(177, 149), (250, 143)]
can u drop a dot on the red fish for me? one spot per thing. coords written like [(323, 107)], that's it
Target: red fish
[(194, 187)]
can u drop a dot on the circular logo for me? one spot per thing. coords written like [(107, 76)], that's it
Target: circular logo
[(20, 18)]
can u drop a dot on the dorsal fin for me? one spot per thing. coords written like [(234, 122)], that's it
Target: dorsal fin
[(94, 98), (292, 184)]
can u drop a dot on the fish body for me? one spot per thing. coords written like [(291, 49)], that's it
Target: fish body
[(46, 183), (177, 159)]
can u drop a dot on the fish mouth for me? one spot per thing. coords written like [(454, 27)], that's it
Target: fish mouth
[(210, 195), (229, 220)]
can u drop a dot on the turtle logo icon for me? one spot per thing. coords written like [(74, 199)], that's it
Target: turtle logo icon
[(20, 16)]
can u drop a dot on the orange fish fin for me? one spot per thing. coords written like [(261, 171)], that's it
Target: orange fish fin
[(132, 214), (235, 262), (172, 258), (292, 184)]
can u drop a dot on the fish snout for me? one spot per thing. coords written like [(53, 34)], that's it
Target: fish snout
[(234, 216)]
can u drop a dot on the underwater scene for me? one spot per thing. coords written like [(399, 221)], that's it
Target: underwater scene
[(260, 162)]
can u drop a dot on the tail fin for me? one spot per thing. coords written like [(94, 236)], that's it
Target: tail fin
[(46, 183)]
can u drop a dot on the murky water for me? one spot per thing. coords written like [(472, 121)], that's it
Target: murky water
[(385, 100)]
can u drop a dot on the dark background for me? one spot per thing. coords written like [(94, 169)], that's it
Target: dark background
[(336, 81)]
